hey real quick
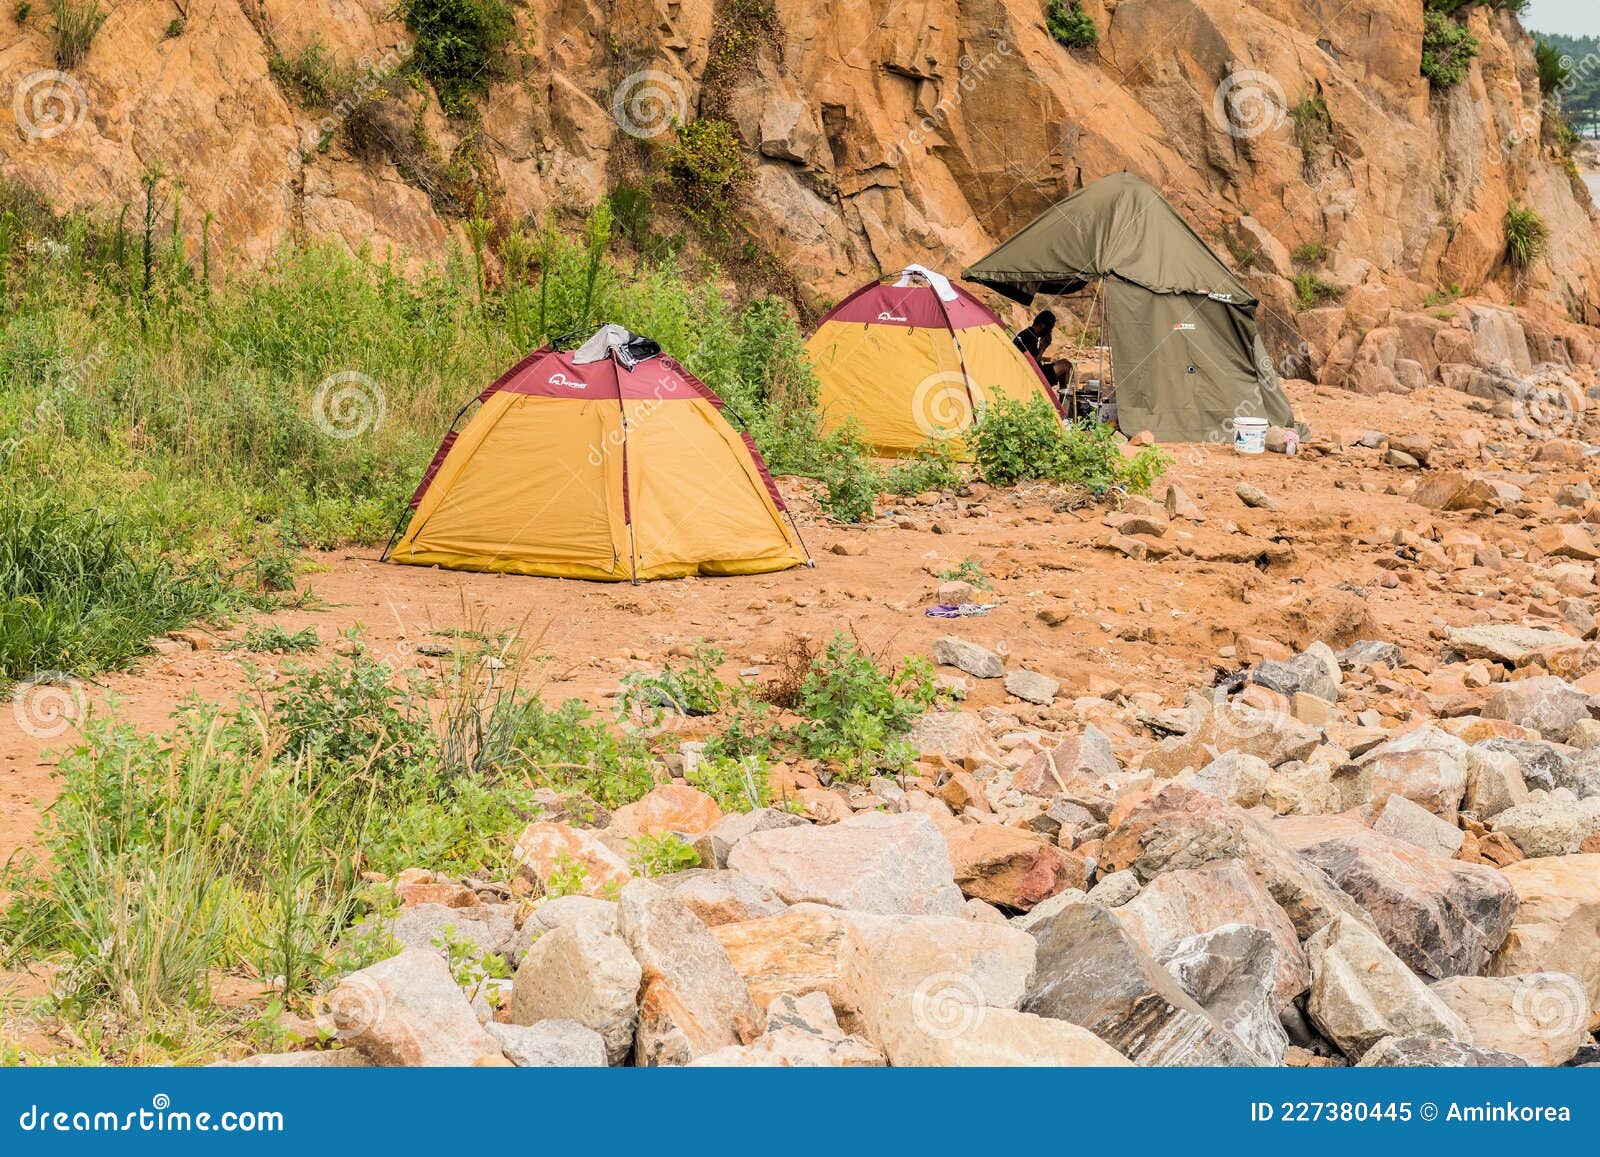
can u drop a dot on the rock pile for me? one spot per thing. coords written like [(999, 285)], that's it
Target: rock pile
[(1223, 883)]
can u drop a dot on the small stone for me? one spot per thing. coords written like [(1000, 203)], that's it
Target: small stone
[(1254, 497), (975, 660), (408, 1011), (583, 972), (1032, 687)]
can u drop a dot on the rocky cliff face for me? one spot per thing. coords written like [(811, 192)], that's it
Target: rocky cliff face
[(880, 131)]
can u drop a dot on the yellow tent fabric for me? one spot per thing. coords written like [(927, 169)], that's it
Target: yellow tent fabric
[(909, 367), (596, 471)]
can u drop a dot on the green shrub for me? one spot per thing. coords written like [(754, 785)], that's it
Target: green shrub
[(1310, 253), (311, 75), (850, 481), (1017, 441), (1311, 291), (661, 854), (1555, 69), (1447, 49), (1526, 236), (935, 466), (1070, 25), (76, 23), (858, 712), (1313, 130), (461, 45), (707, 160)]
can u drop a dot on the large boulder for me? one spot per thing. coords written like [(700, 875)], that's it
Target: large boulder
[(1506, 643), (1548, 705), (959, 736), (1558, 922), (1077, 757), (692, 1001), (801, 1031), (1442, 917), (546, 849), (1235, 777), (582, 971), (668, 807), (721, 897), (1550, 824), (562, 1044), (1182, 904), (713, 846), (798, 951), (1182, 828), (935, 1032), (1431, 1052), (1092, 973), (1361, 992), (1542, 1017), (1230, 972), (1012, 867), (409, 1011), (1231, 725), (1427, 766), (870, 863)]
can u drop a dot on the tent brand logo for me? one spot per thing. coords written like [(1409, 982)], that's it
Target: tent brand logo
[(1226, 297), (1183, 325), (887, 316), (560, 379)]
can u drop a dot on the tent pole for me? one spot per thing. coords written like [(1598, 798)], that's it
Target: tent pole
[(627, 506), (961, 357)]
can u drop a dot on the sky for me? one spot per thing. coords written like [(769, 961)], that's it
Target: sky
[(1572, 17)]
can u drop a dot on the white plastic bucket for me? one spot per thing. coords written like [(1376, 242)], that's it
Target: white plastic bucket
[(1250, 435)]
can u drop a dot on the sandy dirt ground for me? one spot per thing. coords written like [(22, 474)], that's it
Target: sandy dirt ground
[(1162, 625)]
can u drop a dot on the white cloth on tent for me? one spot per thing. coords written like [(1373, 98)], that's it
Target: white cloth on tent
[(613, 341), (606, 340), (941, 283)]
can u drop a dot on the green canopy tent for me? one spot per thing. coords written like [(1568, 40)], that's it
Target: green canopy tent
[(1182, 329)]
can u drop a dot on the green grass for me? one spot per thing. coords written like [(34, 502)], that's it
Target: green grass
[(1527, 236), (76, 23), (1311, 291)]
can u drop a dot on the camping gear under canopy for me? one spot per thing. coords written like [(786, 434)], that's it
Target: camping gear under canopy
[(1181, 327), (577, 465), (915, 361)]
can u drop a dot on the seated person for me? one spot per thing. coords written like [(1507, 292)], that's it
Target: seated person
[(1035, 340)]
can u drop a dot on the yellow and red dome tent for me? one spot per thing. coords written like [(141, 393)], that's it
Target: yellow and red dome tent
[(916, 360), (599, 464)]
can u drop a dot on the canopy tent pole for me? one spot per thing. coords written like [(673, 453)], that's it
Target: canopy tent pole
[(627, 504)]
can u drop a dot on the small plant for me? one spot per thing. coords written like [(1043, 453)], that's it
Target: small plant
[(1017, 441), (1443, 296), (857, 712), (1310, 253), (567, 876), (1313, 130), (470, 966), (1311, 291), (932, 467), (969, 571), (848, 476), (1526, 236), (662, 854), (738, 784), (275, 640), (311, 75), (76, 24), (175, 28), (1070, 25), (1447, 49), (22, 11), (691, 688)]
